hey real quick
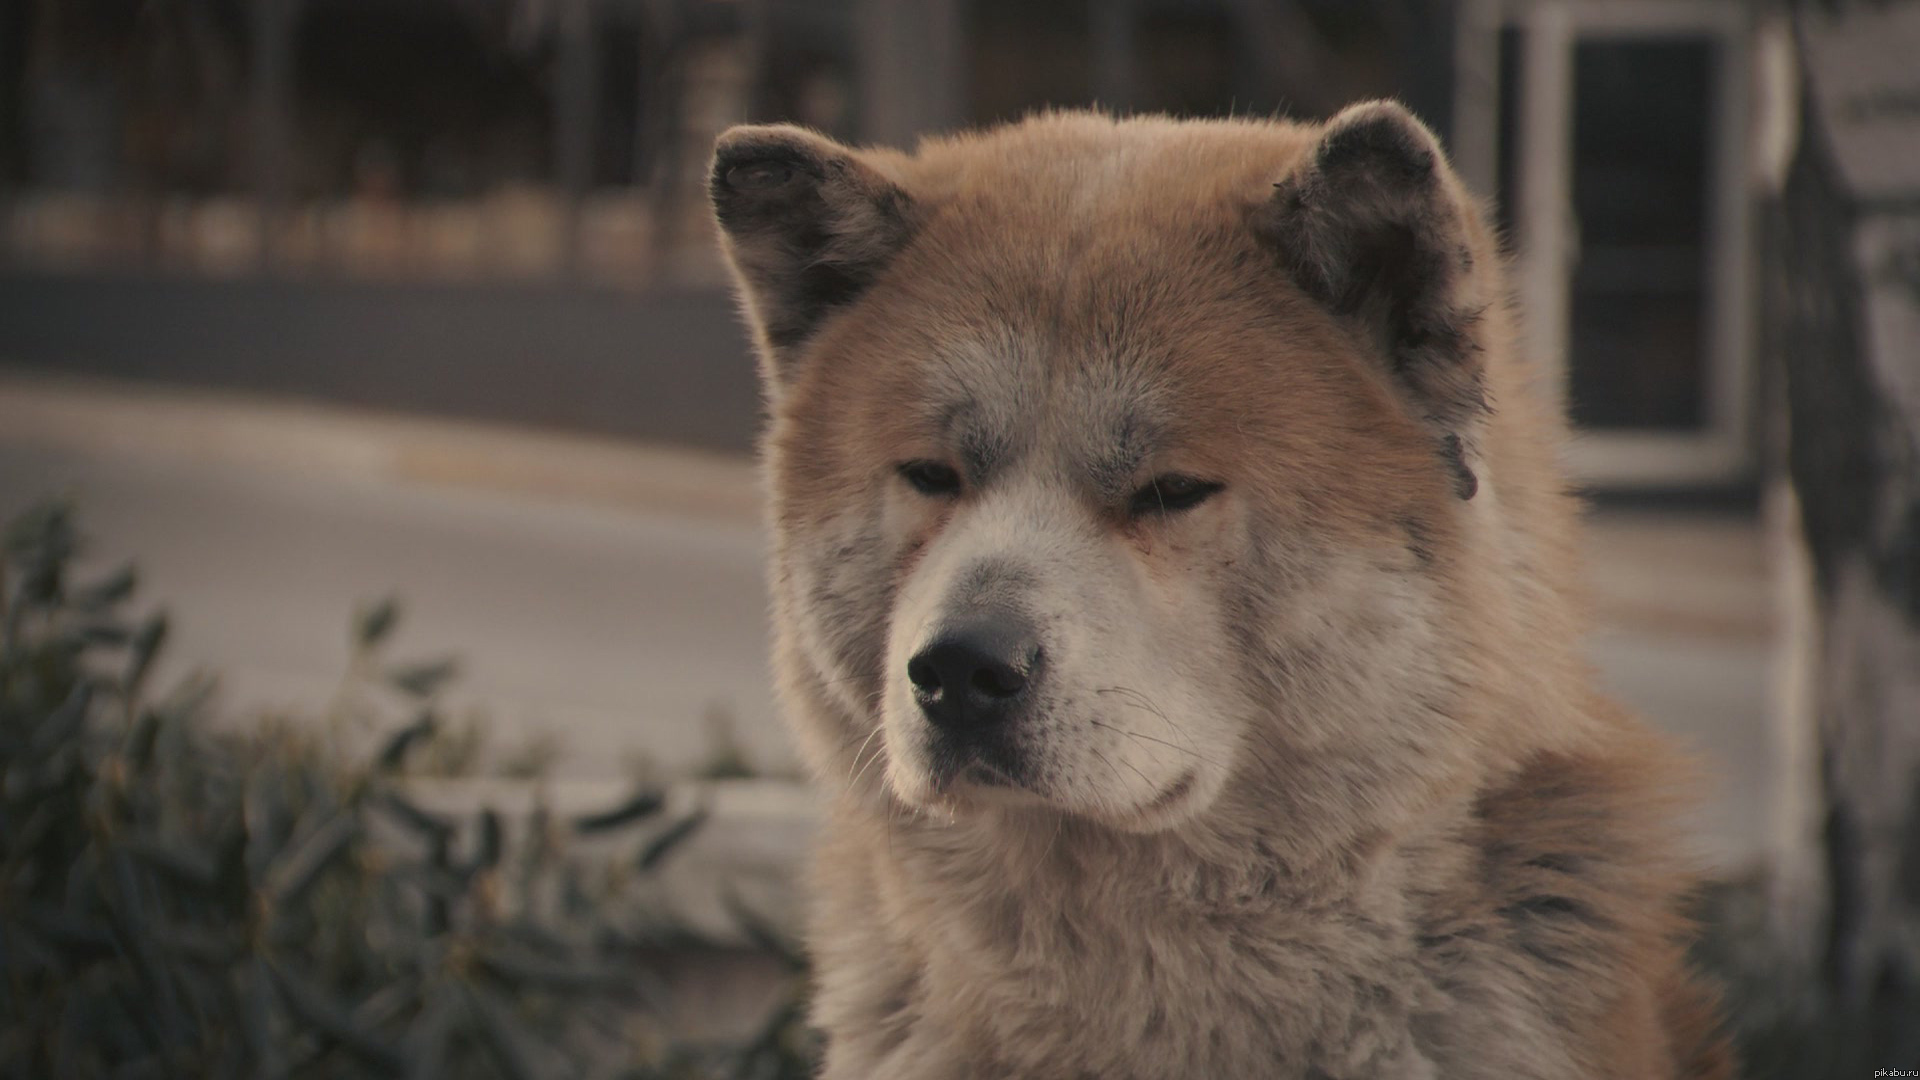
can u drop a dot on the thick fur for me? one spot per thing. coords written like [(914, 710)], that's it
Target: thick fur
[(1308, 779)]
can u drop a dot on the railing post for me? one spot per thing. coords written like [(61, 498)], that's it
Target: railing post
[(574, 102), (272, 60)]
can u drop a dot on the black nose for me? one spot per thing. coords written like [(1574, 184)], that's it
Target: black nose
[(974, 676)]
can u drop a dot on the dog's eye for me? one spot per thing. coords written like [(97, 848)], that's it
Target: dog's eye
[(931, 477), (1171, 494)]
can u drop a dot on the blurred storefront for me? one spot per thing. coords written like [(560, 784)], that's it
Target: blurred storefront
[(487, 201)]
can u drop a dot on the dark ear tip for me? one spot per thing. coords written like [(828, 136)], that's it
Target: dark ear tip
[(763, 176), (761, 160), (1380, 136)]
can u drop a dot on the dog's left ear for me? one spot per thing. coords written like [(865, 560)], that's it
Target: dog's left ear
[(807, 224), (1374, 225)]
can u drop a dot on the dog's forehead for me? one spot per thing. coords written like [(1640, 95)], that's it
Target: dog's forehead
[(1088, 315), (1097, 409), (1083, 335)]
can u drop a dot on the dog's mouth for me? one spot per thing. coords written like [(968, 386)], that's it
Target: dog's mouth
[(974, 775), (953, 770), (977, 765), (979, 774), (985, 775)]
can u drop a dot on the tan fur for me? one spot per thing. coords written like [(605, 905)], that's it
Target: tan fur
[(1412, 840)]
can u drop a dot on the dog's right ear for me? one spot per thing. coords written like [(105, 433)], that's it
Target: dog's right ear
[(807, 224)]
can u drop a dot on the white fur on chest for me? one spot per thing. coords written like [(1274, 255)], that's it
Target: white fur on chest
[(1063, 970)]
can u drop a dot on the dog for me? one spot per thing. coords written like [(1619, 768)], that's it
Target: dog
[(1175, 592)]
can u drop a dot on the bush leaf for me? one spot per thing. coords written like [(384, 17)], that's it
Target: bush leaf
[(423, 679), (676, 834), (375, 623), (643, 804)]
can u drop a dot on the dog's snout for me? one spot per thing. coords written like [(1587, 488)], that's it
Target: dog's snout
[(975, 675)]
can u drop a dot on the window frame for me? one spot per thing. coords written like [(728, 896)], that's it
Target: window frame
[(1721, 450)]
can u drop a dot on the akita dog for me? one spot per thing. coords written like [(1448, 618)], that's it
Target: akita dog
[(1175, 594)]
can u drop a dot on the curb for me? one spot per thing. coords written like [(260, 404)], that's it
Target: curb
[(112, 418)]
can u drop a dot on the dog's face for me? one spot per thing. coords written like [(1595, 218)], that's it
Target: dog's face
[(1093, 482), (1068, 516)]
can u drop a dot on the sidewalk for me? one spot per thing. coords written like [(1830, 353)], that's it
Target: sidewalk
[(612, 594), (1686, 619), (603, 593)]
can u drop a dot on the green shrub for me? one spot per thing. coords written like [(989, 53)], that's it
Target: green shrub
[(180, 900)]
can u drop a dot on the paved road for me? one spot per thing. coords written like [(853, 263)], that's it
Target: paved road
[(593, 599), (617, 629)]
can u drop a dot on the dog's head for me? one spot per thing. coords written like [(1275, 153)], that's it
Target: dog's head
[(1115, 460)]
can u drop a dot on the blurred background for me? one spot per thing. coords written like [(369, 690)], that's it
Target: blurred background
[(308, 302)]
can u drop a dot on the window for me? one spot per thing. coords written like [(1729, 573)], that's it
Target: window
[(1612, 132)]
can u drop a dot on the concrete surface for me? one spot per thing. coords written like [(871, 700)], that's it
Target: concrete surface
[(612, 594), (620, 627), (1685, 635)]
